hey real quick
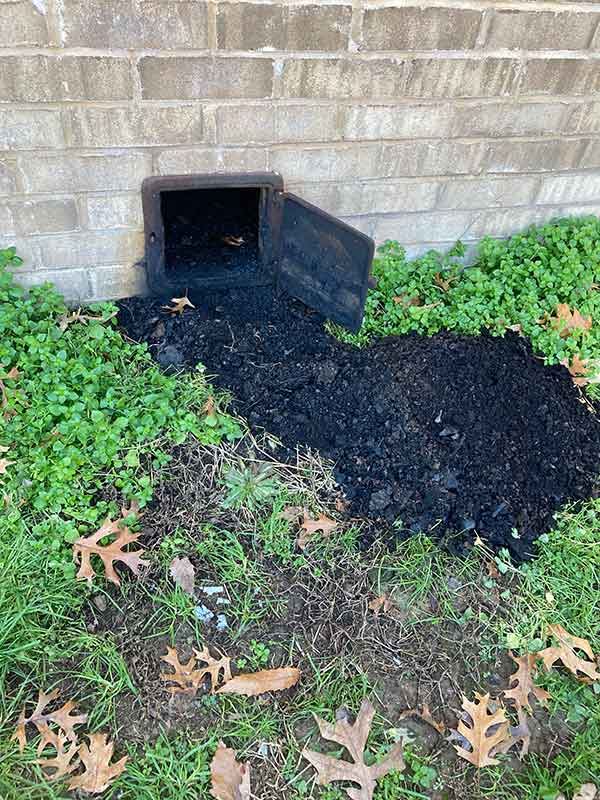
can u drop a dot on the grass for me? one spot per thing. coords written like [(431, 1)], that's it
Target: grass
[(92, 422)]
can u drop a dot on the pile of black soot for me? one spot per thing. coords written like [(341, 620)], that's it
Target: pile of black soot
[(469, 435)]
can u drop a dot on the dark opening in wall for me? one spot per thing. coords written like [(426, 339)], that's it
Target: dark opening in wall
[(211, 232)]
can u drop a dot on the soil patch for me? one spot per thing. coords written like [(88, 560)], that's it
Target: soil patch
[(447, 434)]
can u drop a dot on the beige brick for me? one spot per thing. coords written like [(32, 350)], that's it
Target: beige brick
[(584, 210), (362, 224), (414, 28), (570, 76), (88, 248), (515, 119), (29, 250), (590, 156), (583, 118), (370, 197), (28, 130), (192, 78), (45, 216), (114, 211), (168, 24), (570, 189), (327, 164), (263, 124), (22, 23), (48, 79), (136, 125), (7, 224), (442, 226), (391, 122), (8, 176), (533, 156), (248, 26), (183, 162), (432, 158), (541, 30), (115, 282), (72, 283), (488, 193), (503, 222), (85, 173), (382, 78)]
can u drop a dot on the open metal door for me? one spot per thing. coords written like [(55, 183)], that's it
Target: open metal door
[(324, 262)]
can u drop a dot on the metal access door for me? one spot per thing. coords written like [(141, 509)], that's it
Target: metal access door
[(324, 262)]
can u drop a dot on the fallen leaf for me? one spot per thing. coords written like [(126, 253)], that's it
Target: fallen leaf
[(579, 370), (516, 328), (381, 603), (587, 792), (77, 316), (445, 284), (230, 780), (309, 527), (267, 680), (183, 573), (482, 730), (42, 719), (99, 772), (406, 301), (179, 305), (190, 677), (234, 241), (62, 763), (567, 321), (353, 738), (84, 547), (492, 570), (209, 407), (517, 734), (565, 652), (292, 513), (424, 713), (5, 463), (522, 685)]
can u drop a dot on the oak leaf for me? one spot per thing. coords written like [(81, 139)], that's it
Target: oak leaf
[(77, 316), (482, 730), (567, 321), (183, 573), (62, 763), (189, 677), (522, 685), (179, 305), (99, 772), (84, 547), (424, 714), (579, 369), (565, 651), (4, 462), (588, 791), (445, 284), (230, 780), (42, 719), (353, 738), (234, 241), (309, 527), (251, 684), (519, 733), (381, 603), (406, 301)]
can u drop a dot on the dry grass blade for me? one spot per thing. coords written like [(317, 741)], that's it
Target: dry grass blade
[(84, 547), (41, 718), (268, 680), (483, 730), (354, 739), (99, 772), (230, 780), (522, 685), (583, 669), (424, 714), (189, 677)]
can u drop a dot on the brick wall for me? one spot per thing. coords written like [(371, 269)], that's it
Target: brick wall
[(422, 122)]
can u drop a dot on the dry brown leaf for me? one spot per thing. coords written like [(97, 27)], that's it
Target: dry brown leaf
[(579, 369), (230, 780), (99, 772), (84, 547), (179, 305), (517, 734), (184, 575), (234, 241), (353, 738), (381, 603), (209, 407), (485, 731), (251, 684), (565, 652), (292, 513), (445, 284), (309, 527), (567, 321), (522, 685), (190, 677), (77, 316), (62, 763), (424, 713), (42, 719), (5, 463), (588, 791), (406, 301)]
